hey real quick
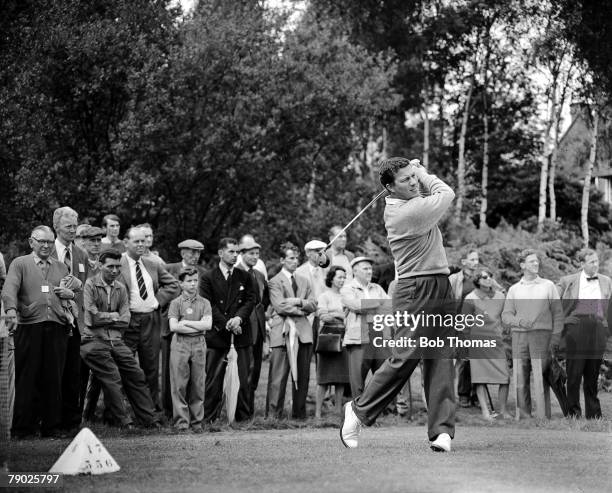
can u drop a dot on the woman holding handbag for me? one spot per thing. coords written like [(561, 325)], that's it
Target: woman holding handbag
[(332, 365)]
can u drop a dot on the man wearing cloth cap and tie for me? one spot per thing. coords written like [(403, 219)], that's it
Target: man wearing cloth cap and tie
[(312, 271), (249, 254), (190, 251)]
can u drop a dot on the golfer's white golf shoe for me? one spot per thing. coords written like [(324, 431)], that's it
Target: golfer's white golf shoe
[(442, 443), (350, 428)]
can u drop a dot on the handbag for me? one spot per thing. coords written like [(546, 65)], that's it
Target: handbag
[(329, 339), (329, 343)]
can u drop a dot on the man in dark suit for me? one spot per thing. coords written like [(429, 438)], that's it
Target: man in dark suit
[(150, 287), (190, 255), (232, 296), (585, 298), (74, 380), (249, 251)]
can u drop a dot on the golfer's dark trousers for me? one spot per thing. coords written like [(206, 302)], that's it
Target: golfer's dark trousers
[(140, 338), (277, 381), (430, 294), (255, 371), (40, 355), (115, 367), (585, 346), (216, 365), (73, 388)]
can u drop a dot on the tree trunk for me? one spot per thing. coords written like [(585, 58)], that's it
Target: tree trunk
[(555, 152), (553, 164), (310, 196), (544, 167), (425, 117), (484, 185), (584, 211), (461, 160)]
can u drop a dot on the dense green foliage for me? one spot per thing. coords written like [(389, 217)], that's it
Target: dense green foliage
[(226, 121)]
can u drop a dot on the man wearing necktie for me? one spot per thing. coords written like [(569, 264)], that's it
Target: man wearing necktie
[(585, 297), (150, 287), (316, 276), (231, 294), (249, 253), (32, 298), (76, 372), (292, 300)]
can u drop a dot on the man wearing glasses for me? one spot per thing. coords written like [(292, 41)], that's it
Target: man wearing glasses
[(32, 300)]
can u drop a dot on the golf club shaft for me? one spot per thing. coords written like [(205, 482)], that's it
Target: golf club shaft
[(382, 192)]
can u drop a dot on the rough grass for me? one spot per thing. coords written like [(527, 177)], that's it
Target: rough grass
[(391, 458), (287, 455)]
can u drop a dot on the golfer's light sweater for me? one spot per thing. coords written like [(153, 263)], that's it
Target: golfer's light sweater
[(412, 231)]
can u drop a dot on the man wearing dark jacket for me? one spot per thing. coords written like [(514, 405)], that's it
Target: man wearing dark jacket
[(249, 251), (231, 294)]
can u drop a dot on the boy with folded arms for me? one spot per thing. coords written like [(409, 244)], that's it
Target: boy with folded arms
[(190, 316)]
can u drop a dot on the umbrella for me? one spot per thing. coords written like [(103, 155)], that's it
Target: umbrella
[(292, 349), (231, 383), (555, 376)]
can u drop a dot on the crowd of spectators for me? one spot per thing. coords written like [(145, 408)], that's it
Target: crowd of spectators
[(92, 315)]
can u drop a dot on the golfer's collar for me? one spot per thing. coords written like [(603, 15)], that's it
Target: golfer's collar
[(287, 274), (395, 201)]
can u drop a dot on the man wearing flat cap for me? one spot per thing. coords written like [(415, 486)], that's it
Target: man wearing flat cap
[(361, 298), (190, 251), (91, 238), (315, 273), (92, 243), (249, 254), (78, 238), (311, 268), (190, 255)]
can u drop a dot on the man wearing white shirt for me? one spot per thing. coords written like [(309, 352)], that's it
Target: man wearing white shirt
[(231, 294), (149, 286), (65, 221), (585, 296), (292, 300)]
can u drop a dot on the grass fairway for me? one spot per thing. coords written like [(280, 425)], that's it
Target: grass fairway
[(392, 458)]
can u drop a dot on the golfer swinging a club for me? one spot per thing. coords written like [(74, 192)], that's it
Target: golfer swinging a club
[(415, 204)]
